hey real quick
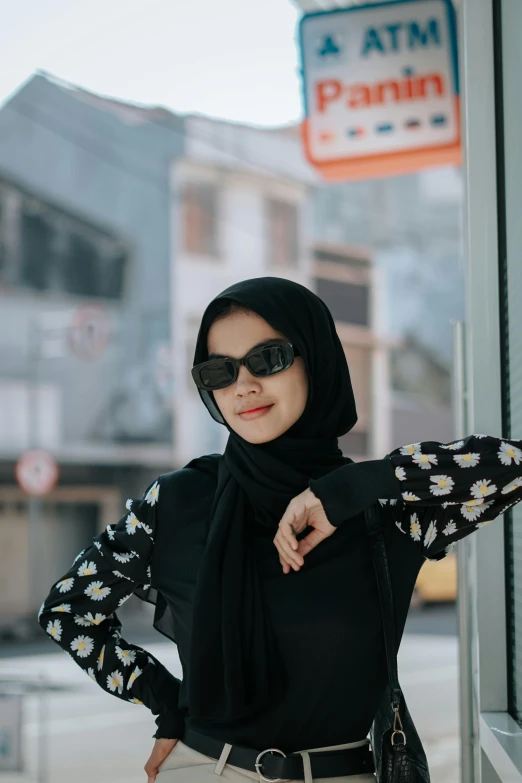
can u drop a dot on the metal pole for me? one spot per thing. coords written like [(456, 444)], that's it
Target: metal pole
[(468, 726), (34, 503), (43, 744)]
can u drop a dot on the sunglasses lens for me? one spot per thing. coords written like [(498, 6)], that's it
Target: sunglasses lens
[(217, 374), (269, 361)]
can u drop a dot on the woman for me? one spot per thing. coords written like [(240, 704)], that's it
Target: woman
[(280, 639)]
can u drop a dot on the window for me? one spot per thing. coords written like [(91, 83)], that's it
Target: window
[(51, 250), (354, 443), (283, 234), (81, 267), (348, 302), (343, 258), (36, 251), (200, 219)]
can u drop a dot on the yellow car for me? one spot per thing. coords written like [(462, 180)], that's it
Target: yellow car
[(437, 581)]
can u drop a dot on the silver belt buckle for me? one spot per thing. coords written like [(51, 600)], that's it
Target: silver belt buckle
[(258, 765)]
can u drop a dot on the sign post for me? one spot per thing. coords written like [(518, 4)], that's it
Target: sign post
[(11, 733), (381, 88)]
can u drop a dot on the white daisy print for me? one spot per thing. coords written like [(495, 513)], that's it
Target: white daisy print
[(115, 682), (79, 620), (128, 504), (101, 658), (400, 473), (96, 591), (152, 495), (451, 547), (54, 629), (121, 576), (415, 528), (123, 558), (431, 534), (97, 544), (41, 610), (467, 460), (481, 524), (65, 585), (409, 496), (482, 488), (512, 485), (127, 657), (450, 528), (472, 510), (110, 532), (393, 501), (441, 485), (425, 460), (62, 608), (95, 619), (411, 449), (82, 646), (90, 672), (125, 598), (87, 569), (382, 501), (457, 445), (146, 528), (135, 701), (131, 523), (399, 525), (81, 554), (508, 454)]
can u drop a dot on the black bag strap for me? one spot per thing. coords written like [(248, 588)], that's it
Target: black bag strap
[(382, 572)]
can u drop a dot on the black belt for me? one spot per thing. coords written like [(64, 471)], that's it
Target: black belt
[(272, 764)]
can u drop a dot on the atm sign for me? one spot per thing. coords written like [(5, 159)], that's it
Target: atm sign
[(381, 88)]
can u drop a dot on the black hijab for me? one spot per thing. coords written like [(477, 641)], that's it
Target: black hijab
[(234, 668)]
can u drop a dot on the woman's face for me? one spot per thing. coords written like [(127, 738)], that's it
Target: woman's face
[(276, 402)]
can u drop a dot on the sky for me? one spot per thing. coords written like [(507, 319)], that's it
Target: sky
[(234, 59)]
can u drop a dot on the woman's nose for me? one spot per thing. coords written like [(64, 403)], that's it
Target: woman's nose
[(245, 380)]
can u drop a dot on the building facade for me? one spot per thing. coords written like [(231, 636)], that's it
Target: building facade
[(84, 222)]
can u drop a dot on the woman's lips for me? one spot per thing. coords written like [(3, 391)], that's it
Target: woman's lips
[(255, 413)]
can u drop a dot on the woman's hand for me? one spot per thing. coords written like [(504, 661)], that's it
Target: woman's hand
[(160, 751), (305, 509)]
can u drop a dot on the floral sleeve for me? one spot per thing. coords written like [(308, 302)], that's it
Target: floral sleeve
[(79, 614), (448, 490)]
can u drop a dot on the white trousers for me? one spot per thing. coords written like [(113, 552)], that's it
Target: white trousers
[(186, 765)]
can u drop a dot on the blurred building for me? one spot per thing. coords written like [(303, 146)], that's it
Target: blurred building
[(247, 201), (84, 218), (346, 279), (240, 208), (146, 216)]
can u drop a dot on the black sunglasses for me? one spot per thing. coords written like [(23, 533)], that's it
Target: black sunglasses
[(261, 362)]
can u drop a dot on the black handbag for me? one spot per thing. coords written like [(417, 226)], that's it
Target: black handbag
[(397, 750)]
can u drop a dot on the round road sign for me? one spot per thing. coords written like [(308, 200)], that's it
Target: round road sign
[(90, 332), (37, 472)]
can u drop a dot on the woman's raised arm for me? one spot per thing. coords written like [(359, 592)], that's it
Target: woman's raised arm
[(448, 490), (438, 492), (80, 614)]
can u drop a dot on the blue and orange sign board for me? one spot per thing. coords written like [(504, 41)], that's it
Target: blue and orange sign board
[(381, 88)]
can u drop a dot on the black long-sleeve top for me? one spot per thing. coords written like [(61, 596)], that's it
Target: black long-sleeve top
[(326, 616)]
